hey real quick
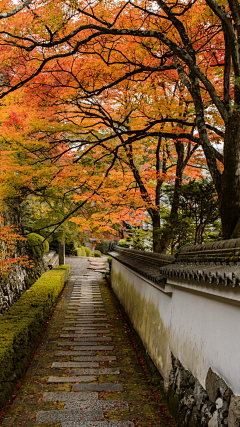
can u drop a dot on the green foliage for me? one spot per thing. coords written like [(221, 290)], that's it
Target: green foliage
[(97, 254), (80, 251), (22, 325), (110, 262), (69, 247), (125, 243), (88, 252), (66, 269), (139, 240), (103, 246), (198, 216), (38, 245)]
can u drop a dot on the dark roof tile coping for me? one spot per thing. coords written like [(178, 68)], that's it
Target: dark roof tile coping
[(221, 244)]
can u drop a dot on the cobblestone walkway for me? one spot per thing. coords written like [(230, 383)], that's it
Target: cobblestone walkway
[(85, 373)]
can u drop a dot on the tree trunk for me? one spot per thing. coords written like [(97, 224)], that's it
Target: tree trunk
[(156, 232), (230, 194), (167, 234)]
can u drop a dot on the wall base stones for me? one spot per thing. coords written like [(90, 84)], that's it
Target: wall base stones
[(194, 406), (13, 284)]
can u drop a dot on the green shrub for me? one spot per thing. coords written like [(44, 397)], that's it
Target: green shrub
[(83, 251), (97, 254), (38, 245), (123, 243), (77, 252), (110, 262), (88, 252), (22, 325), (46, 246), (103, 246), (80, 251)]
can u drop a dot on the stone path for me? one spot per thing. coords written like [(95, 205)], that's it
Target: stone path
[(85, 373)]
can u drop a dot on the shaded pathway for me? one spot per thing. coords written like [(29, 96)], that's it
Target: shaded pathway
[(85, 373)]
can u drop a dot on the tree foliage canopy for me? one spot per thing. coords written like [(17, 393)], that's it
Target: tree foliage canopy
[(103, 103)]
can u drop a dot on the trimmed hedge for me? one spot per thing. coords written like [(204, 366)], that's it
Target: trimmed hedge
[(78, 252), (88, 252), (66, 268), (22, 325), (82, 251), (38, 244), (97, 254)]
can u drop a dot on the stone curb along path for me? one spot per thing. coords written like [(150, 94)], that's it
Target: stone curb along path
[(79, 340)]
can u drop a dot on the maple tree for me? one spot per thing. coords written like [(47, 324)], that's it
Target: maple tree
[(57, 55), (133, 132), (203, 56), (9, 241)]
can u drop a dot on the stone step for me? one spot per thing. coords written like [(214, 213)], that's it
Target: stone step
[(86, 347), (74, 328), (98, 387), (98, 424), (78, 379), (84, 335), (75, 353), (90, 310), (86, 293), (57, 416), (92, 330), (86, 339), (91, 318), (85, 319), (105, 405), (70, 395), (103, 371), (75, 365), (94, 358)]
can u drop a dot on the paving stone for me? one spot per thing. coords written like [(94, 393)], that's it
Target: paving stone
[(98, 424), (75, 365), (87, 310), (90, 318), (74, 328), (87, 338), (89, 346), (80, 312), (86, 293), (94, 347), (104, 371), (98, 387), (98, 312), (94, 358), (91, 299), (92, 321), (76, 353), (78, 379), (84, 302), (93, 329), (70, 395), (105, 405), (82, 342), (87, 318), (56, 416)]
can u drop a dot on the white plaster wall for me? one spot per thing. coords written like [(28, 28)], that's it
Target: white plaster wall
[(201, 324)]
